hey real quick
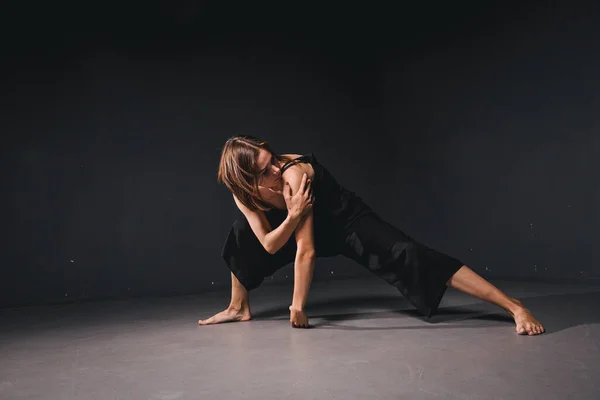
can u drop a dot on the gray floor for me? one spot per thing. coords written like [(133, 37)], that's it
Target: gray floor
[(367, 342)]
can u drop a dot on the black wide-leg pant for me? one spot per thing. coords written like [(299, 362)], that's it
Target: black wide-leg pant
[(417, 271)]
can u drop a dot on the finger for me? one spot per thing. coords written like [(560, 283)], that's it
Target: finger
[(306, 188), (289, 188), (309, 191), (303, 182)]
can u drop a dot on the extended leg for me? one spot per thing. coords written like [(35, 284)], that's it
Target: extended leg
[(467, 281)]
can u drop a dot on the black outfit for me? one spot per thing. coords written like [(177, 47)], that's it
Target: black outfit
[(345, 225)]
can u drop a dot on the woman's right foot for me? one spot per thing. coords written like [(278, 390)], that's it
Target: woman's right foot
[(227, 315)]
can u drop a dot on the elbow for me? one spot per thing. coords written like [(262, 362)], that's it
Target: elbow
[(269, 249), (306, 254), (266, 244)]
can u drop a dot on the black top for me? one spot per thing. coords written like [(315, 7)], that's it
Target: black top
[(336, 209)]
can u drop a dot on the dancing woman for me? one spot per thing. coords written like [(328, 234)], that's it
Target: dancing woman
[(294, 210)]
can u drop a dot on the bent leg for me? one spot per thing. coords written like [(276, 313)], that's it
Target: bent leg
[(248, 260)]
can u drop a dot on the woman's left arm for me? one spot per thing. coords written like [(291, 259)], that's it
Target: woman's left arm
[(304, 263)]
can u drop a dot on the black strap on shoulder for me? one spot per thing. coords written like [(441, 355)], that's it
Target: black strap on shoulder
[(293, 162)]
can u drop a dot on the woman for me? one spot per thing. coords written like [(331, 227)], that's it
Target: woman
[(281, 195)]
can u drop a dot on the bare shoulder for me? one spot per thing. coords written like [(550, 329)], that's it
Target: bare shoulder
[(296, 171), (291, 155)]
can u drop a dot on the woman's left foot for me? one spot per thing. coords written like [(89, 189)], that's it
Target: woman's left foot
[(526, 323)]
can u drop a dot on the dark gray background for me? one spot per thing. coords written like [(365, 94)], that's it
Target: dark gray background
[(474, 129)]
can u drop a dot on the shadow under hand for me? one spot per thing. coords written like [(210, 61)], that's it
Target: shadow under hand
[(556, 312), (346, 305)]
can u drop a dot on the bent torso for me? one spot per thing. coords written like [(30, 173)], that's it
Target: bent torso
[(275, 197)]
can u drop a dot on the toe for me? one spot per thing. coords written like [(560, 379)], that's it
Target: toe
[(531, 330), (534, 329)]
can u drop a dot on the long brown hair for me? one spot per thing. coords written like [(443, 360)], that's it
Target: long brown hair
[(238, 169)]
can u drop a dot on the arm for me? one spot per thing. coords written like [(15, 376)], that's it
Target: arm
[(279, 236), (271, 239), (298, 204), (304, 264)]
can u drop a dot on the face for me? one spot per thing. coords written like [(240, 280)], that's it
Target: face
[(269, 174)]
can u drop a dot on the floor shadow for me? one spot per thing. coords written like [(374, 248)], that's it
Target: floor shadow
[(556, 312), (349, 303)]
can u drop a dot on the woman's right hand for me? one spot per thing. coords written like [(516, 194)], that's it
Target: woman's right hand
[(228, 315), (299, 204)]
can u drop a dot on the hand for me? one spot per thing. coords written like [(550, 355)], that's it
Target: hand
[(298, 318), (228, 315), (301, 203)]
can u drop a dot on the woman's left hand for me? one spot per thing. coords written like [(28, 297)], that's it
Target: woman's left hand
[(299, 204), (298, 318)]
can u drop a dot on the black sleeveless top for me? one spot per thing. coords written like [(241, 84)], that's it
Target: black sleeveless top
[(336, 209), (335, 204)]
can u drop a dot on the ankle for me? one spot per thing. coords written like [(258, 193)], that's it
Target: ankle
[(514, 306), (239, 307)]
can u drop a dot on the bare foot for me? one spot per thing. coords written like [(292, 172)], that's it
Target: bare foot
[(526, 323), (227, 315)]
